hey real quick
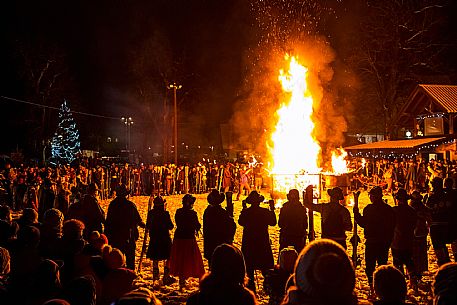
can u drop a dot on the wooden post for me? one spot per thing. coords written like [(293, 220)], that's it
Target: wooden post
[(451, 123)]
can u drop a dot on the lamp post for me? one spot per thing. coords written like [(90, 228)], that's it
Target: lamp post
[(175, 121), (128, 122)]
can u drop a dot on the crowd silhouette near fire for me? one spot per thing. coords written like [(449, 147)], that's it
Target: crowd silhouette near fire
[(59, 244)]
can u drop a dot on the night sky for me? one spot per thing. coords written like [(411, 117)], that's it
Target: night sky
[(114, 58)]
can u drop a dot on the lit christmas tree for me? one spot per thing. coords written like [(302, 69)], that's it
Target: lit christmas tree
[(65, 143)]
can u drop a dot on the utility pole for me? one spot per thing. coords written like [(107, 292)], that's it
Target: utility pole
[(175, 120)]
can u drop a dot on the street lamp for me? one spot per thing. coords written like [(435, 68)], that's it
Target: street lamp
[(175, 125), (128, 122)]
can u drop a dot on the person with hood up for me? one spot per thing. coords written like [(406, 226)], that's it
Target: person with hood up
[(218, 227), (256, 245), (224, 284), (159, 225)]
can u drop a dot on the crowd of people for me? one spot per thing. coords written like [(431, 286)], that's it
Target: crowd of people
[(69, 251)]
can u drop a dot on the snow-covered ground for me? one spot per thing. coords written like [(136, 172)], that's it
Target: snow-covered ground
[(172, 295)]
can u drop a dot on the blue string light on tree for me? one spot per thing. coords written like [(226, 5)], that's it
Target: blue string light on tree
[(65, 143)]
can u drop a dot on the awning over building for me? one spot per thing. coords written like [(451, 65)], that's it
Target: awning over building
[(396, 145)]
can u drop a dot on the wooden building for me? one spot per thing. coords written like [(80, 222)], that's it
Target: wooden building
[(425, 127)]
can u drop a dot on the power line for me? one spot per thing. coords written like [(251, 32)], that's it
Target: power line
[(56, 108)]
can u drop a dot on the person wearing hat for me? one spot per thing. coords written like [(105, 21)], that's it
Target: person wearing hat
[(93, 215), (403, 241), (378, 221), (293, 222), (185, 258), (121, 225), (218, 227), (139, 296), (336, 219), (159, 225), (440, 205), (323, 275), (256, 246)]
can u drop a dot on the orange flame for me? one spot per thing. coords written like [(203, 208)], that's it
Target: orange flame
[(339, 163), (294, 148)]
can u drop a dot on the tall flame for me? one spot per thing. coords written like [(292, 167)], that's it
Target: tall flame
[(294, 148), (339, 163)]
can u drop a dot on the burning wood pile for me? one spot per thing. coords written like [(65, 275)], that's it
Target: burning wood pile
[(295, 152)]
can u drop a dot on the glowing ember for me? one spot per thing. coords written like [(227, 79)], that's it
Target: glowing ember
[(295, 151), (339, 163)]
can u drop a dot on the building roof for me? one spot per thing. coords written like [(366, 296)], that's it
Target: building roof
[(445, 95), (398, 144)]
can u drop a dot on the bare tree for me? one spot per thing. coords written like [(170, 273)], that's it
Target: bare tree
[(401, 42)]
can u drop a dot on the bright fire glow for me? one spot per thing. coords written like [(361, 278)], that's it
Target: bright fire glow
[(339, 162), (295, 150)]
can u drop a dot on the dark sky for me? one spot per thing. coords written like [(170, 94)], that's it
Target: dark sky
[(107, 49), (107, 52)]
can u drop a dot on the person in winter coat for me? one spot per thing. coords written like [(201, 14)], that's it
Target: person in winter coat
[(185, 259), (378, 221), (403, 241), (336, 219), (224, 283), (46, 198), (121, 226), (218, 227), (323, 275), (440, 205), (293, 223), (275, 283), (421, 230), (256, 245), (451, 194), (159, 225), (93, 215), (389, 286)]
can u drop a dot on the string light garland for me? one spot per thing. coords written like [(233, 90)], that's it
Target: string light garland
[(65, 144), (392, 154)]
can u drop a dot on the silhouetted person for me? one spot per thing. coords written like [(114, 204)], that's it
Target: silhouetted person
[(293, 222)]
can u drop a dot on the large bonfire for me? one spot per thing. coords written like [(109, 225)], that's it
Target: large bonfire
[(295, 152)]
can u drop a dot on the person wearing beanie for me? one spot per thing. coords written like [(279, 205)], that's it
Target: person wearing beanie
[(323, 275), (378, 221), (293, 222), (336, 219), (390, 286), (256, 246), (451, 196), (159, 225), (275, 283), (403, 241), (445, 285), (118, 279), (185, 258), (224, 284), (81, 291), (218, 227), (140, 296), (440, 205), (121, 225)]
